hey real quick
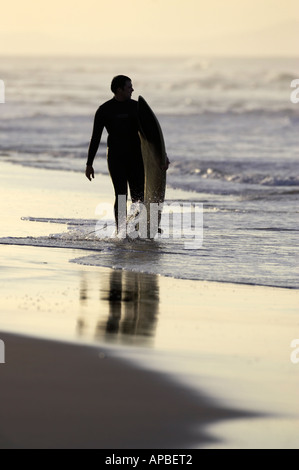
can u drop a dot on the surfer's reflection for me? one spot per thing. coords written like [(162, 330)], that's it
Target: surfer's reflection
[(129, 304), (133, 304)]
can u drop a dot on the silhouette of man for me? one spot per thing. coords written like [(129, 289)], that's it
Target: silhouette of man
[(125, 164)]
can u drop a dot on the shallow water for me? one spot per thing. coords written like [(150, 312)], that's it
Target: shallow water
[(231, 134)]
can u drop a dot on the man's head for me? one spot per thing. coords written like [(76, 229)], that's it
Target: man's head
[(122, 87)]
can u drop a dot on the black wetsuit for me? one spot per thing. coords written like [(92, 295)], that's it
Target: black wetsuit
[(124, 151)]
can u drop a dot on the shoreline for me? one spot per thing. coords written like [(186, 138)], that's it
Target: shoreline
[(24, 241), (36, 198)]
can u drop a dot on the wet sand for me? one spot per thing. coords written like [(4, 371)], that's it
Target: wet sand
[(207, 363), (99, 358)]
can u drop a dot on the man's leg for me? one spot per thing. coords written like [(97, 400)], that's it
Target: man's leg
[(136, 184), (136, 180), (119, 180)]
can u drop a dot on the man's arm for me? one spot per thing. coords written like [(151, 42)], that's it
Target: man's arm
[(98, 127), (89, 172)]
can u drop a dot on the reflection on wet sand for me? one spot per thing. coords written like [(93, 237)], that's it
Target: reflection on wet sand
[(128, 307)]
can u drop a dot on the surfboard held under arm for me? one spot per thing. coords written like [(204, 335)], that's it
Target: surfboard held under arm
[(155, 163)]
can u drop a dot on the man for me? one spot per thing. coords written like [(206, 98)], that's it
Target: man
[(125, 164)]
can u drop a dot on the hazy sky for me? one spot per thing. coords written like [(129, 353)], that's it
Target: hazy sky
[(129, 27)]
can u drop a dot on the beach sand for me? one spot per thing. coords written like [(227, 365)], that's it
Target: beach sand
[(100, 358), (56, 395)]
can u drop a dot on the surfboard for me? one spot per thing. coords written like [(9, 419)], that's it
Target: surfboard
[(154, 160)]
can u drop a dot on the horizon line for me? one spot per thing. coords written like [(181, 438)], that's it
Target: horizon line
[(148, 55)]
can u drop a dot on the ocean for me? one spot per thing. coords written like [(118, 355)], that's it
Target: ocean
[(231, 133)]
